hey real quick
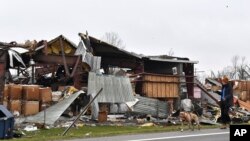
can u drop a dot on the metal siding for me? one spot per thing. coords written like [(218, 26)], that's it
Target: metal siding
[(151, 106), (116, 89), (93, 61), (55, 111)]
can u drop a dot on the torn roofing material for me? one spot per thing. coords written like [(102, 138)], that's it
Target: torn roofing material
[(213, 81), (14, 54), (116, 89), (55, 111), (173, 60), (93, 61), (210, 100), (104, 48), (64, 38), (150, 106), (244, 105)]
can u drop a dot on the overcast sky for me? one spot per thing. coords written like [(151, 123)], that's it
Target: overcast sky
[(208, 31)]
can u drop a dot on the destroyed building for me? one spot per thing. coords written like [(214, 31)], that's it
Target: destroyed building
[(162, 77), (59, 63), (130, 83)]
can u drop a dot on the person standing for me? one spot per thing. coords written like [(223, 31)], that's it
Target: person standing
[(226, 101)]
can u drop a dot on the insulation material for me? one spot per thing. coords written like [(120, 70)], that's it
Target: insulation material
[(15, 105), (57, 49), (55, 111), (54, 46), (45, 94), (31, 92), (30, 108), (15, 92)]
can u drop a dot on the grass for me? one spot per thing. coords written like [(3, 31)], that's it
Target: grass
[(96, 131)]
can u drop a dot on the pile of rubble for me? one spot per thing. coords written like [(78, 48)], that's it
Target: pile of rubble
[(57, 84)]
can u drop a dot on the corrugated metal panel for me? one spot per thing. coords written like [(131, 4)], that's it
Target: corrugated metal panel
[(94, 107), (116, 89), (151, 106), (174, 60), (55, 111), (108, 47), (213, 81), (93, 61), (207, 98), (80, 49)]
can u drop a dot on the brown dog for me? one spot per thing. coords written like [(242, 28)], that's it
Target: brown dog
[(190, 118)]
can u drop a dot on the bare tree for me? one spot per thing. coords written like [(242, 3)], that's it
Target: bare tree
[(235, 60), (170, 52), (113, 39), (238, 70), (228, 71), (242, 68)]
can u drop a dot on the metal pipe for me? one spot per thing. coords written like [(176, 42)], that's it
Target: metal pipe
[(83, 112), (32, 75)]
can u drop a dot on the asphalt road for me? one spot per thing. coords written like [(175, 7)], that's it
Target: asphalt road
[(202, 135)]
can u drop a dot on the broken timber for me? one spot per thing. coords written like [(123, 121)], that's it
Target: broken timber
[(199, 85), (83, 112)]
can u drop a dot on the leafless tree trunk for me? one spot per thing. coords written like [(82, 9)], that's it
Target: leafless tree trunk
[(235, 60), (228, 71), (113, 39), (241, 68), (170, 52), (238, 70)]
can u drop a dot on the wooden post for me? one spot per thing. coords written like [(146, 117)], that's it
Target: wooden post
[(3, 59), (170, 102)]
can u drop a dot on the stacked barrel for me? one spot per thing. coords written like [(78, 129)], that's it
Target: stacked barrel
[(14, 95), (45, 97), (30, 97), (26, 99)]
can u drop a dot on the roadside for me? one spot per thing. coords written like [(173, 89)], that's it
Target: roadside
[(98, 131), (205, 134)]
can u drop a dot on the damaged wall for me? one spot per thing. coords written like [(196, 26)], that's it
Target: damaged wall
[(3, 60), (161, 67), (115, 89), (159, 86), (150, 106)]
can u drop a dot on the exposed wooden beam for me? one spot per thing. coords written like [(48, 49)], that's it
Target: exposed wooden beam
[(55, 59)]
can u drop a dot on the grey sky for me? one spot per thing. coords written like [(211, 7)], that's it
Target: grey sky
[(208, 31)]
